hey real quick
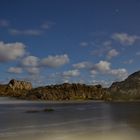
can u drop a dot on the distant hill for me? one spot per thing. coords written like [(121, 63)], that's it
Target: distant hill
[(129, 89)]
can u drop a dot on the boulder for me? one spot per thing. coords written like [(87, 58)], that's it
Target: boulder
[(19, 85)]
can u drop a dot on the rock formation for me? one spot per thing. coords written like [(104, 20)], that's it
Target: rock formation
[(67, 91), (19, 85), (129, 89)]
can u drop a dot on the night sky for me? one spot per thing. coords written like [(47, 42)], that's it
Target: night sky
[(57, 41)]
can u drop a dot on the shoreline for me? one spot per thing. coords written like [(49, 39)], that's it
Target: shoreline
[(17, 100)]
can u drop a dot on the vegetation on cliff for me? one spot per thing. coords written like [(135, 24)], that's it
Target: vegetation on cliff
[(67, 91)]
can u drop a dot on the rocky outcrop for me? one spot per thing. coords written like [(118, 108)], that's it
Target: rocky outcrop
[(19, 85), (129, 89), (3, 89), (67, 91)]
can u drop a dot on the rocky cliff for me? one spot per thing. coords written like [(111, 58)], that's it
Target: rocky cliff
[(67, 91), (129, 89), (64, 91), (15, 88), (19, 85)]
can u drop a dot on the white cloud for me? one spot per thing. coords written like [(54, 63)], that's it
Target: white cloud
[(28, 32), (30, 61), (93, 72), (31, 64), (32, 70), (103, 66), (104, 83), (55, 61), (120, 74), (71, 73), (15, 70), (125, 39), (83, 65), (11, 51), (112, 53)]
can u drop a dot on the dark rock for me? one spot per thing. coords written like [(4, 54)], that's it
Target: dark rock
[(48, 110), (129, 89)]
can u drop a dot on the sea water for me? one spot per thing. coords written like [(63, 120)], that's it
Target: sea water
[(81, 120)]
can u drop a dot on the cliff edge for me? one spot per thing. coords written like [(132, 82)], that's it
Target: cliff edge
[(129, 89)]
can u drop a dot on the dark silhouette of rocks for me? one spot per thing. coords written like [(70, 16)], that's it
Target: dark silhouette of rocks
[(129, 89), (40, 111)]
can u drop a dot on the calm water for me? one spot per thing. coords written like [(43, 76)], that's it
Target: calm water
[(69, 121)]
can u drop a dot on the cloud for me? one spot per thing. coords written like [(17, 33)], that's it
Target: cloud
[(11, 51), (55, 61), (107, 43), (112, 53), (102, 48), (125, 39), (47, 25), (120, 74), (138, 53), (4, 23), (28, 32), (130, 61), (32, 70), (31, 64), (15, 70), (84, 44), (104, 83), (30, 61), (104, 67), (71, 73), (93, 72), (64, 77), (83, 65)]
